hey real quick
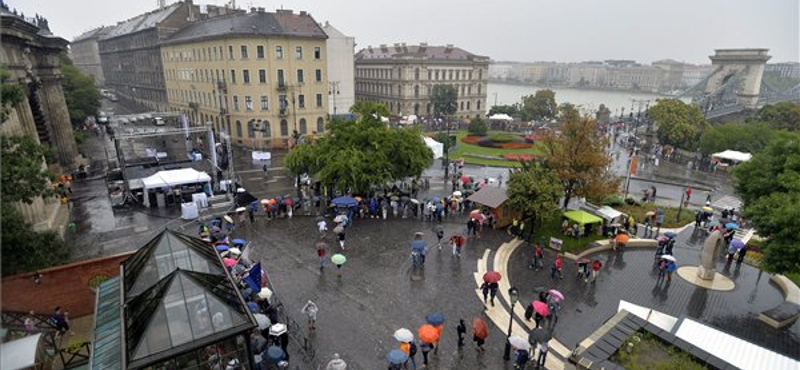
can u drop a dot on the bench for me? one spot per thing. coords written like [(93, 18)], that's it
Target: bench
[(781, 315)]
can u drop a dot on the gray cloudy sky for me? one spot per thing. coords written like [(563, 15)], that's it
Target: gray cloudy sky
[(523, 30)]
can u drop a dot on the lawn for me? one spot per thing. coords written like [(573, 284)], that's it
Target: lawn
[(463, 150), (646, 352), (552, 228), (638, 212), (795, 277)]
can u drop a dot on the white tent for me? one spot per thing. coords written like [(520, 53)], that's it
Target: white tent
[(19, 354), (608, 213), (436, 147), (733, 155), (172, 178), (501, 117)]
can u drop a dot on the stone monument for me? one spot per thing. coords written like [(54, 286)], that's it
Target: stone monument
[(706, 270)]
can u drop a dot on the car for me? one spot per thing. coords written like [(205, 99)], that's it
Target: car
[(158, 121), (113, 97)]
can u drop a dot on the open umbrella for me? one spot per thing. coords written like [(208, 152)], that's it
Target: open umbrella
[(404, 335), (662, 238), (435, 318), (427, 333), (228, 218), (556, 294), (492, 277), (541, 308), (344, 201), (413, 201), (338, 229), (732, 225), (672, 266), (235, 251), (650, 214), (670, 234), (708, 209), (519, 342), (252, 306), (272, 201), (288, 201), (436, 199), (265, 293), (668, 257), (714, 223), (262, 320), (277, 329), (265, 201), (539, 336), (479, 328), (465, 179), (738, 244), (457, 194), (623, 238), (396, 357), (241, 209), (239, 241), (275, 354), (222, 248), (229, 262), (338, 259), (394, 197), (340, 218)]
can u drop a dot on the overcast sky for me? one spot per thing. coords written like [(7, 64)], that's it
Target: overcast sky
[(520, 30)]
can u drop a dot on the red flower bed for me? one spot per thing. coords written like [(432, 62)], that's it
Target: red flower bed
[(471, 139), (518, 157), (514, 145), (532, 138)]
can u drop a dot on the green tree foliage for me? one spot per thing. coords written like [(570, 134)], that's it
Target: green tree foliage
[(477, 126), (540, 106), (578, 157), (80, 92), (535, 191), (568, 112), (10, 94), (26, 250), (370, 110), (24, 176), (679, 124), (769, 185), (511, 110), (748, 138), (782, 116), (444, 100), (355, 155)]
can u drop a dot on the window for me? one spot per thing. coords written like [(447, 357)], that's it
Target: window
[(236, 103), (479, 89), (480, 75), (244, 51), (281, 81), (416, 74), (298, 52), (303, 126), (248, 103), (320, 124), (437, 74), (238, 128), (262, 76), (470, 75), (230, 52), (416, 91), (301, 101), (279, 52), (266, 131), (468, 105), (251, 130), (215, 53), (283, 103), (318, 75), (284, 128), (430, 74), (300, 77), (451, 74), (260, 51), (319, 100), (317, 53), (462, 106), (233, 76), (478, 104), (246, 76), (264, 102)]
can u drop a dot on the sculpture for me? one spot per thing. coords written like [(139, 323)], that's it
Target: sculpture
[(708, 256)]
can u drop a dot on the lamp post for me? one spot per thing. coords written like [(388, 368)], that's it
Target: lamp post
[(447, 156), (514, 294)]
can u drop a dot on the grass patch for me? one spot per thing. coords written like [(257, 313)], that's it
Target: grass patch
[(646, 352), (795, 277), (638, 212), (552, 228), (463, 149)]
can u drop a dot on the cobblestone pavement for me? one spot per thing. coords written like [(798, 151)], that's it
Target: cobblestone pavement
[(632, 276)]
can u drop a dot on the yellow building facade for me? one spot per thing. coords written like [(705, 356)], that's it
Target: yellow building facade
[(257, 76)]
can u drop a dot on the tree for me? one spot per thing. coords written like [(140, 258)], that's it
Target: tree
[(540, 106), (26, 250), (534, 190), (679, 124), (355, 155), (511, 110), (444, 100), (750, 138), (769, 185), (10, 94), (370, 110), (80, 92), (477, 126), (782, 116), (568, 112), (578, 157), (24, 176)]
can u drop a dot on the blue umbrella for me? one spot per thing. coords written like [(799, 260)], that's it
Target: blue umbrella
[(435, 318), (345, 201), (252, 306), (732, 225), (239, 241), (275, 354), (396, 357), (737, 244), (435, 199), (672, 266), (670, 234), (222, 248)]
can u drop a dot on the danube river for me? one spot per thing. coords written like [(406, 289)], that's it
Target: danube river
[(588, 100)]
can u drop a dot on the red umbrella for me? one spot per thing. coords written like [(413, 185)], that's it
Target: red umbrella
[(479, 328), (541, 308), (465, 179), (492, 277), (287, 201)]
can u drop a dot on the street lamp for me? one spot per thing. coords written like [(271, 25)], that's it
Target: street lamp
[(514, 294)]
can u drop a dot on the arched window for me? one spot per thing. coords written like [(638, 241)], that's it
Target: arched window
[(251, 130), (468, 105), (416, 91), (284, 128), (416, 109), (238, 128), (267, 129), (303, 126), (320, 125), (478, 103)]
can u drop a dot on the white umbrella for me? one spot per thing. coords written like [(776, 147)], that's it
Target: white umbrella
[(338, 229), (241, 209), (240, 190), (262, 320), (456, 193), (265, 293), (404, 335), (518, 342), (235, 251), (668, 257), (340, 218), (277, 329), (228, 218)]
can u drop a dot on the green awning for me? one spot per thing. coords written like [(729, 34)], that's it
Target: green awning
[(582, 218)]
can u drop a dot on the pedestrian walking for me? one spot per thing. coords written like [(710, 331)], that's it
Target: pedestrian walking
[(310, 310), (662, 270), (543, 347), (341, 237), (480, 331), (521, 229), (470, 226), (30, 323), (439, 237), (322, 226), (336, 363), (556, 269), (425, 347), (461, 330), (258, 343), (457, 241), (596, 266), (521, 358), (537, 257), (739, 259), (410, 349), (659, 220), (322, 252)]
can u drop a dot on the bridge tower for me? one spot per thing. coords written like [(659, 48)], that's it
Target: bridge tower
[(737, 76)]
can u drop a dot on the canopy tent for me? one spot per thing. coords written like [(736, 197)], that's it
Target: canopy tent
[(733, 155), (436, 147), (608, 213), (489, 196), (20, 354), (582, 217), (500, 117), (171, 178)]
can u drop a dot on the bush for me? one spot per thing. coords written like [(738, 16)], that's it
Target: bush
[(613, 201), (477, 126), (502, 138)]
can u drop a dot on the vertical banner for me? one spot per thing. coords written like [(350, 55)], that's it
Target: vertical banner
[(634, 165)]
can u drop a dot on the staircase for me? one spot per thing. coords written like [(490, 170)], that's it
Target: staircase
[(38, 116)]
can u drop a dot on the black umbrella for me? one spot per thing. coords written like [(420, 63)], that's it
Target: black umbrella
[(539, 336)]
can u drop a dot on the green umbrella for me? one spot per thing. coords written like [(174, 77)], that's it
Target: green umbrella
[(338, 259)]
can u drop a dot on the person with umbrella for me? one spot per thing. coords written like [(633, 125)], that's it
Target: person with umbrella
[(596, 266), (322, 251), (396, 359), (258, 343), (338, 260), (742, 253), (480, 331), (521, 354), (437, 320), (418, 249), (490, 286), (428, 335), (543, 347), (439, 236), (457, 242), (336, 363), (461, 330), (279, 336), (407, 345), (339, 230), (671, 267), (310, 310)]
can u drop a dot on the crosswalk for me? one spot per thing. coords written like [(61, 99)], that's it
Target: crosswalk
[(727, 202)]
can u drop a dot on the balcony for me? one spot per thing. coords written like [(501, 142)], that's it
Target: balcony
[(283, 113), (281, 86)]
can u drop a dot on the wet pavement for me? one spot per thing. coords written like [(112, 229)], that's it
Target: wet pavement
[(632, 276)]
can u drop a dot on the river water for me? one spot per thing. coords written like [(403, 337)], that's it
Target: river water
[(588, 100)]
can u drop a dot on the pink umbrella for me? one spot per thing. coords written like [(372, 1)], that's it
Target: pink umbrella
[(557, 296), (229, 262), (287, 201), (541, 308)]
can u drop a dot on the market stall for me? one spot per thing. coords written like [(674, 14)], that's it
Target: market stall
[(436, 147), (174, 183), (495, 198)]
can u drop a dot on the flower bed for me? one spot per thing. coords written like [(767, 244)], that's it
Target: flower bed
[(471, 139), (498, 141), (518, 157)]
